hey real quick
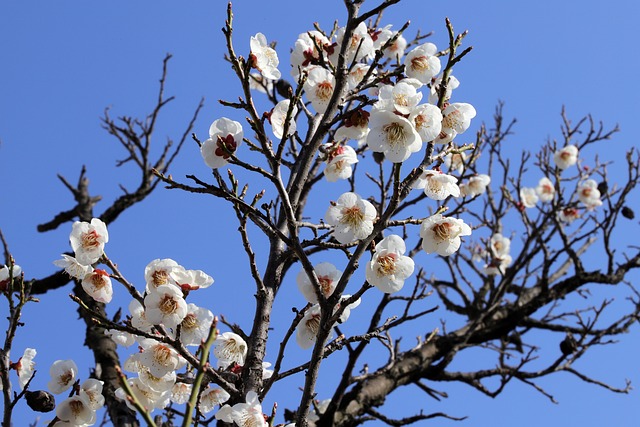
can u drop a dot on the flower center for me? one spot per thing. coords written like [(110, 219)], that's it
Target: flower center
[(401, 99), (324, 90), (225, 146), (313, 324), (76, 407), (90, 239), (98, 278), (352, 216), (162, 355), (168, 304), (386, 265), (443, 231), (65, 378), (451, 120), (395, 133), (325, 285), (190, 321), (420, 63)]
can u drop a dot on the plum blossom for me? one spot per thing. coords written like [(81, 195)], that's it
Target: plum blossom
[(72, 267), (263, 57), (434, 93), (499, 245), (247, 414), (498, 265), (339, 161), (528, 197), (476, 185), (138, 316), (278, 117), (393, 135), (355, 126), (566, 157), (319, 88), (352, 218), (147, 397), (305, 53), (191, 280), (437, 185), (422, 64), (260, 83), (456, 119), (63, 375), (97, 284), (328, 276), (88, 240), (159, 384), (545, 190), (402, 97), (195, 325), (308, 328), (442, 234), (229, 348), (359, 45), (91, 391), (6, 274), (225, 136), (25, 366), (389, 268), (427, 120), (122, 338), (212, 397), (568, 215), (455, 162), (166, 306), (395, 49), (181, 392), (589, 194), (500, 259), (158, 273), (159, 358), (77, 411)]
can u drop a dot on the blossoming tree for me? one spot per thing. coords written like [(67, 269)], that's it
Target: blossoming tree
[(425, 217)]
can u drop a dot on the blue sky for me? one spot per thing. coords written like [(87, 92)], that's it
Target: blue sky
[(63, 63)]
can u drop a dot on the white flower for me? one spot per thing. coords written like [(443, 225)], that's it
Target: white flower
[(212, 397), (393, 135), (352, 218), (347, 310), (356, 75), (195, 326), (158, 273), (358, 46), (355, 126), (97, 284), (159, 384), (166, 306), (15, 272), (148, 398), (389, 268), (568, 215), (191, 280), (159, 358), (589, 194), (91, 391), (442, 234), (528, 197), (260, 83), (305, 53), (437, 185), (229, 347), (476, 185), (395, 49), (263, 57), (401, 97), (278, 117), (225, 136), (319, 88), (421, 63), (138, 317), (328, 276), (180, 393), (427, 120), (88, 240), (63, 375), (434, 93), (456, 119), (566, 157), (25, 366), (244, 414), (339, 161), (122, 338), (499, 245), (455, 162), (76, 411), (307, 329), (545, 189), (72, 267), (497, 265)]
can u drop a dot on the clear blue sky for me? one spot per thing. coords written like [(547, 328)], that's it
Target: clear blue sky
[(62, 63)]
